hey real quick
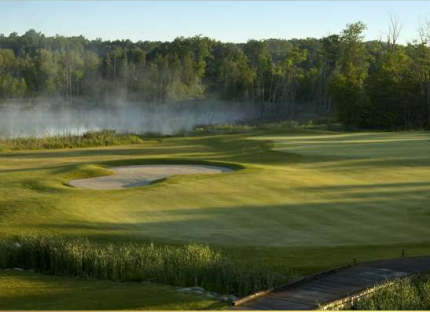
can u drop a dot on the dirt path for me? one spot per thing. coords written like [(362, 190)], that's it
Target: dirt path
[(133, 176), (334, 288)]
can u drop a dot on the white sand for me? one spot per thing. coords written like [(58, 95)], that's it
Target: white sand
[(132, 176)]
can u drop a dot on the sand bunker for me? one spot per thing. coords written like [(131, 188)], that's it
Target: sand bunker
[(133, 176)]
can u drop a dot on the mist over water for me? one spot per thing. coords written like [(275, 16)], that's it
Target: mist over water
[(165, 119)]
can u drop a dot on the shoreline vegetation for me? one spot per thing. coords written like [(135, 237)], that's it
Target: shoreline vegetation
[(87, 139), (104, 138), (188, 265), (113, 138)]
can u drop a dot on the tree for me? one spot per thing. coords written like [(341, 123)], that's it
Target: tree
[(289, 77), (260, 61), (392, 91), (236, 76), (347, 84)]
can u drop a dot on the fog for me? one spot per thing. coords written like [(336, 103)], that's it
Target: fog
[(18, 120)]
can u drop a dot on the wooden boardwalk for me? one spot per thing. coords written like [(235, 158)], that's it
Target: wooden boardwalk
[(331, 288)]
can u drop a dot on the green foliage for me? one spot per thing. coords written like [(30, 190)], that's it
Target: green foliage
[(363, 84), (271, 126), (88, 139), (395, 92), (11, 84), (187, 265), (237, 75), (407, 294), (347, 84)]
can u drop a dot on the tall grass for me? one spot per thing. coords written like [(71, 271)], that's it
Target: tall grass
[(273, 126), (88, 139), (187, 265), (407, 294)]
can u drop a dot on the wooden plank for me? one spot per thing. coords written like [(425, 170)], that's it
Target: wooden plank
[(305, 297), (314, 294), (345, 281), (322, 289), (287, 305), (257, 305), (356, 281), (272, 305), (331, 288), (305, 301), (351, 281), (338, 286), (371, 273), (292, 300), (330, 291), (297, 296)]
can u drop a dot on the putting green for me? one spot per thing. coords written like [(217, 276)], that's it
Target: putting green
[(301, 192)]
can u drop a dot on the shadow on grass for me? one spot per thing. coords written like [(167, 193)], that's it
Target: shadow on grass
[(383, 217), (41, 292)]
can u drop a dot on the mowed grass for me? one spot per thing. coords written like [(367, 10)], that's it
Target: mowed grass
[(303, 200), (29, 291)]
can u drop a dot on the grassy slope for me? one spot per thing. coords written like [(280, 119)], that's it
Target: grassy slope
[(317, 200), (29, 291)]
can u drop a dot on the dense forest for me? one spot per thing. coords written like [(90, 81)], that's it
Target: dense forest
[(373, 84)]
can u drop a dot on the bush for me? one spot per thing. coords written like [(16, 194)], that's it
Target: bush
[(187, 265)]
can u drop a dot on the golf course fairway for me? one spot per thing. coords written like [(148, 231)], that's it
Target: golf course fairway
[(303, 200)]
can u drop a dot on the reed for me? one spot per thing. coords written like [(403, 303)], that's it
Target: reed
[(407, 294), (87, 139), (185, 265), (285, 125)]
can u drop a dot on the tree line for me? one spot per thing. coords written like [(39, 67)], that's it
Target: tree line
[(363, 84)]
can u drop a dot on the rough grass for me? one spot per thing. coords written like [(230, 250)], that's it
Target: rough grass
[(88, 139), (187, 265), (287, 125), (305, 201), (30, 291), (407, 294)]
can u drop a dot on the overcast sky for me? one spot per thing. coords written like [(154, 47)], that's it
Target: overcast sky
[(234, 21)]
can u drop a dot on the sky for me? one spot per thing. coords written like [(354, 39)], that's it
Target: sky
[(229, 21)]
